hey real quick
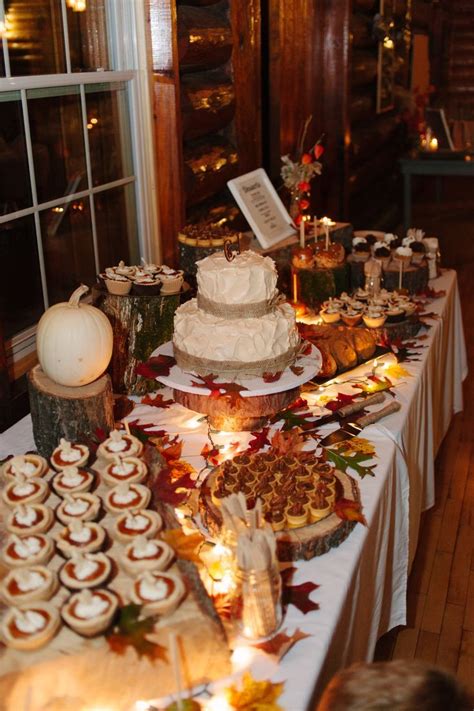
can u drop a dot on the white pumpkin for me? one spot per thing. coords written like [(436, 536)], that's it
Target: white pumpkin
[(74, 341)]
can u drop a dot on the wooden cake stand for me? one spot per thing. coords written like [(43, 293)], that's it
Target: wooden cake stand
[(244, 410)]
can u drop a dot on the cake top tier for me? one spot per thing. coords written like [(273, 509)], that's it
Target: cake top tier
[(249, 278)]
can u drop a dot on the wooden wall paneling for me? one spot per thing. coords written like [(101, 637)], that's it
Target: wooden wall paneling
[(168, 141), (208, 164), (369, 138), (337, 97), (204, 38), (5, 392), (361, 31), (207, 103), (245, 20), (363, 68)]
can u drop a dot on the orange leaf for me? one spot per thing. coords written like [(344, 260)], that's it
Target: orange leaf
[(286, 442), (349, 511), (254, 695), (279, 645), (186, 547)]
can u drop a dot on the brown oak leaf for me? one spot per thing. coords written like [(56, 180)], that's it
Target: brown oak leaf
[(298, 595), (272, 377), (260, 439), (296, 369), (172, 486), (279, 645)]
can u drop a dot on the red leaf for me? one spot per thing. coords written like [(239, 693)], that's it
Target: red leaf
[(305, 348), (122, 407), (260, 439), (210, 454), (168, 488), (341, 400), (279, 645), (157, 401), (296, 369), (271, 377), (140, 430), (156, 366), (298, 595), (349, 510)]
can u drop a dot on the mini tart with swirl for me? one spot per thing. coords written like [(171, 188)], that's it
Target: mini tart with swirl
[(30, 626), (126, 469), (25, 585), (33, 549), (80, 536), (69, 455), (145, 554), (78, 507), (23, 490), (90, 612), (158, 592), (26, 464), (72, 480), (29, 518), (127, 497), (120, 444), (136, 523), (85, 570)]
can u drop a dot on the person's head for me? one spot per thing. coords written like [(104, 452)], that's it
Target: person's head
[(400, 685)]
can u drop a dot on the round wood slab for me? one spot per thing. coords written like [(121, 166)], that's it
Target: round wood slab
[(294, 543)]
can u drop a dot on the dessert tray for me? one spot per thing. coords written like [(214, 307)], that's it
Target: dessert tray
[(296, 538), (88, 668)]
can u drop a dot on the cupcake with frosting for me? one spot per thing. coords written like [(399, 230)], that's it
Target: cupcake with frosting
[(382, 254), (360, 249), (403, 256)]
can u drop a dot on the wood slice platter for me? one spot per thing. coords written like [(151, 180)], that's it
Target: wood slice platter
[(294, 543), (237, 414), (73, 672)]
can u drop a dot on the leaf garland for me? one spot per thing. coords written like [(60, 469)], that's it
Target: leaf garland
[(156, 366), (254, 695), (131, 631)]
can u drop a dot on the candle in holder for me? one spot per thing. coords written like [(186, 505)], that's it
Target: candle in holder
[(327, 223), (315, 227), (434, 144), (302, 237)]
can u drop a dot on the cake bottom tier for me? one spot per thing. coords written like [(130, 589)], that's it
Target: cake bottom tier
[(245, 347)]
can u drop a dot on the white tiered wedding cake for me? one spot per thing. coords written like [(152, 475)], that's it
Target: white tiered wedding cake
[(238, 325)]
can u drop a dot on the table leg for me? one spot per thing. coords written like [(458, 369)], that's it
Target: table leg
[(406, 201)]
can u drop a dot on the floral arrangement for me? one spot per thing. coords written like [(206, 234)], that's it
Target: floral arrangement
[(297, 174)]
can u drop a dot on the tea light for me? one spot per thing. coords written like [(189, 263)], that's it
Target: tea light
[(218, 703), (434, 144)]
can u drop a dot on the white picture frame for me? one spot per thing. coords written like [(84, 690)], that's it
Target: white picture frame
[(262, 208)]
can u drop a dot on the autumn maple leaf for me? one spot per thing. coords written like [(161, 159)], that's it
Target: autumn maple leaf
[(156, 366), (157, 401), (131, 631), (279, 645), (254, 695), (298, 595), (259, 441), (210, 454), (349, 510), (286, 442), (185, 547), (271, 377)]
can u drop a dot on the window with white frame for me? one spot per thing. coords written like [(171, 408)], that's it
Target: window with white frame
[(75, 167)]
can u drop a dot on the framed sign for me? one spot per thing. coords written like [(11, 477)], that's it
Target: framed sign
[(263, 209)]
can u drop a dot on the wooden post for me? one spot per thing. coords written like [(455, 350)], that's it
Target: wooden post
[(73, 413)]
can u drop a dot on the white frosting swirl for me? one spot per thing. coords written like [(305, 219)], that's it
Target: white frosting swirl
[(27, 547), (24, 515), (136, 522), (75, 507), (151, 588), (117, 442), (84, 567), (70, 477), (123, 494), (29, 621), (29, 580), (23, 467), (79, 533), (123, 469), (358, 240), (90, 605), (143, 548), (23, 488), (404, 251), (248, 278)]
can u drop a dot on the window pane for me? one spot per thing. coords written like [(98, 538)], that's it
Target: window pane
[(35, 37), (88, 36), (117, 235), (21, 296), (56, 133), (109, 132), (68, 248), (2, 61), (15, 193)]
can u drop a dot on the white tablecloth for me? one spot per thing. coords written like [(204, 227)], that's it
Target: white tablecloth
[(363, 583)]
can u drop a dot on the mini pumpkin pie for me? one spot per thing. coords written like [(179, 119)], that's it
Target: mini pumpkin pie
[(31, 626), (136, 523), (23, 490), (29, 518), (27, 464), (127, 497), (80, 536), (158, 592), (26, 585), (145, 554), (85, 570), (90, 612), (69, 455), (120, 444), (35, 549), (78, 507), (72, 480), (128, 469)]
